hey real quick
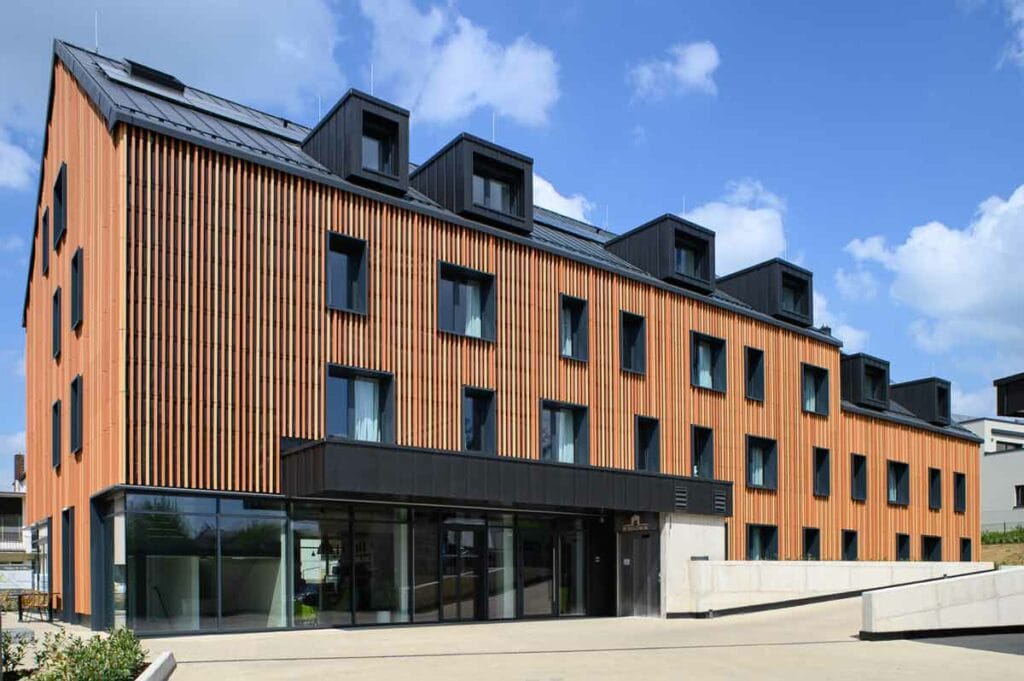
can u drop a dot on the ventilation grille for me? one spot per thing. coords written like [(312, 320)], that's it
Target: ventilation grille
[(682, 497), (719, 501)]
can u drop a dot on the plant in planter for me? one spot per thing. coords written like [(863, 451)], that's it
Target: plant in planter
[(63, 657)]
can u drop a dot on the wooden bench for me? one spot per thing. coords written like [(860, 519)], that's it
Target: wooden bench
[(35, 600)]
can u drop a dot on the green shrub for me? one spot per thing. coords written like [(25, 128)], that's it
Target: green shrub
[(1014, 536), (13, 650), (62, 657)]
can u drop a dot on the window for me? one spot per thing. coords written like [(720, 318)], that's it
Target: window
[(959, 493), (563, 433), (572, 328), (692, 257), (76, 289), (858, 477), (465, 302), (707, 356), (822, 472), (478, 421), (1001, 445), (60, 206), (966, 554), (815, 390), (931, 548), (754, 373), (1018, 493), (849, 545), (647, 445), (762, 542), (702, 455), (762, 463), (346, 273), (934, 489), (496, 187), (359, 404), (76, 415), (902, 547), (794, 295), (898, 479), (877, 383), (812, 544), (378, 145), (56, 324), (44, 241), (633, 342), (55, 434)]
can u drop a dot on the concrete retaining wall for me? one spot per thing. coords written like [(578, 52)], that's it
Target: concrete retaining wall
[(992, 599), (699, 586)]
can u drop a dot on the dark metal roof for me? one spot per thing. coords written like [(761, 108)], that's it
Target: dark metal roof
[(899, 414)]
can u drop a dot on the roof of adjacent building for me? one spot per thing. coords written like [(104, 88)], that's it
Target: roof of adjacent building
[(222, 125)]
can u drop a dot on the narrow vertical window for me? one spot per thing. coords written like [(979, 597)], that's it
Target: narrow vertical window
[(702, 454), (858, 477), (815, 390), (966, 553), (633, 342), (822, 472), (898, 483), (902, 546), (346, 273), (379, 140), (959, 493), (359, 405), (60, 206), (44, 241), (76, 415), (563, 436), (76, 289), (572, 328), (934, 489), (762, 463), (478, 415), (465, 302), (55, 434), (754, 373), (812, 544), (56, 329), (849, 545), (707, 362), (647, 445)]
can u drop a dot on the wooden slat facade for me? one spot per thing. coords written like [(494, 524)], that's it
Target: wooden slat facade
[(205, 275)]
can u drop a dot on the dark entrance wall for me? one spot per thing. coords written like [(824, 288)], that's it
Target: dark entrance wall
[(639, 565)]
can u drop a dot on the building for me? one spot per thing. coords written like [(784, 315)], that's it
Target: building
[(278, 376), (16, 552), (1002, 470), (1010, 395)]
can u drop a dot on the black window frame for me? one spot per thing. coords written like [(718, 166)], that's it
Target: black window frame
[(753, 373), (448, 275), (820, 375), (56, 313), (931, 548), (858, 477), (44, 240), (60, 206), (386, 396), (810, 548), (581, 424), (966, 549), (75, 426), (647, 444), (579, 332), (76, 289), (934, 489), (702, 256), (488, 430), (702, 452), (902, 546), (492, 170), (1018, 494), (354, 251), (770, 465), (769, 541), (897, 494), (849, 545), (385, 131), (632, 343), (719, 363), (959, 492), (802, 297), (821, 460), (55, 432)]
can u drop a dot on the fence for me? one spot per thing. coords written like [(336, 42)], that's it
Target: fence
[(1001, 527)]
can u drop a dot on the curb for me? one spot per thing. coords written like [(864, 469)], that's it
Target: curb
[(160, 669)]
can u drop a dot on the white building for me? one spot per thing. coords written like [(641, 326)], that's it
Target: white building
[(1002, 470)]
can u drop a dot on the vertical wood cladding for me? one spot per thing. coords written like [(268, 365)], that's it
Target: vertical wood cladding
[(229, 338), (77, 136)]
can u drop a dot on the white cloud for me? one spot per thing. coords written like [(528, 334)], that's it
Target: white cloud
[(12, 244), (747, 223), (443, 67), (687, 68), (975, 402), (576, 206), (1015, 17), (857, 285), (963, 284), (16, 165), (854, 339)]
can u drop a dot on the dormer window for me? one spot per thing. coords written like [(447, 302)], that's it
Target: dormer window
[(691, 258), (379, 142), (927, 399), (865, 381), (672, 249), (877, 382), (774, 287), (495, 190), (794, 295)]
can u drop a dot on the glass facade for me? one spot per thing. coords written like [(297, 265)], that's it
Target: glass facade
[(203, 563)]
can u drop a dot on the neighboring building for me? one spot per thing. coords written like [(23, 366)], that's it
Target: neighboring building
[(1010, 395), (1002, 470), (16, 554), (277, 377)]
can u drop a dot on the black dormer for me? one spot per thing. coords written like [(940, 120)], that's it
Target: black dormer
[(481, 181), (927, 398), (865, 380), (775, 287), (155, 76), (672, 249), (364, 140), (1010, 395)]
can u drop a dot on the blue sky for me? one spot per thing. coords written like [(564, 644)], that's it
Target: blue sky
[(876, 143)]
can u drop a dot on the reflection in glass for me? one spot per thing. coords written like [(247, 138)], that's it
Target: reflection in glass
[(381, 560), (538, 576), (425, 547), (323, 573), (253, 583), (501, 602), (462, 565), (572, 563)]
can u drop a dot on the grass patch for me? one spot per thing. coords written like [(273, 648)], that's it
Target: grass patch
[(1014, 536)]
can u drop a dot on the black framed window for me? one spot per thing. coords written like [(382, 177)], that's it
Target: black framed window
[(966, 552), (478, 419), (497, 187), (794, 295), (60, 205), (346, 273), (814, 390), (1018, 496), (55, 434), (877, 383), (572, 328), (902, 546), (898, 483), (55, 331), (76, 289), (822, 472), (692, 258), (931, 548), (762, 542), (762, 463), (360, 404), (702, 452), (44, 241), (632, 339), (811, 544), (380, 138), (959, 493), (753, 360), (648, 447), (858, 477), (849, 545), (76, 414), (465, 302), (934, 489), (707, 362), (563, 433)]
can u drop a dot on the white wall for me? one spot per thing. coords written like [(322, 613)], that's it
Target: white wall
[(684, 536), (1000, 473), (992, 599)]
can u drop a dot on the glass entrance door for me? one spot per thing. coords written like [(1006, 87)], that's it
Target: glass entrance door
[(463, 583), (571, 566)]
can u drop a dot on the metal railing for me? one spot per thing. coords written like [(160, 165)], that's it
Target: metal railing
[(1001, 527)]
